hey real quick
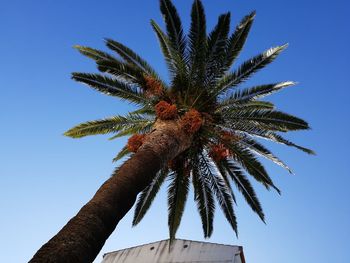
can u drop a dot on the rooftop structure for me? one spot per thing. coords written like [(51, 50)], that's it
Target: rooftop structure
[(181, 251)]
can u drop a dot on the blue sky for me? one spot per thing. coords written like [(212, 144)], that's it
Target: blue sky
[(45, 178)]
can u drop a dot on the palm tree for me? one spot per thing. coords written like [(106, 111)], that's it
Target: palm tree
[(199, 128)]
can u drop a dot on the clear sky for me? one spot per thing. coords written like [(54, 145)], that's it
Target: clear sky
[(45, 177)]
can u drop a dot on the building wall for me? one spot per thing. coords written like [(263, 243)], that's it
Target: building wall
[(181, 251)]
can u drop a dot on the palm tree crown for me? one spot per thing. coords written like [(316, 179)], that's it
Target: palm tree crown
[(203, 96)]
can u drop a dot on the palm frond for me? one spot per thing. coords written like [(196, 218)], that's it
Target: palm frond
[(224, 176), (145, 110), (197, 43), (216, 53), (177, 196), (247, 69), (266, 118), (94, 53), (143, 127), (122, 153), (244, 186), (261, 150), (258, 92), (252, 130), (107, 125), (214, 61), (147, 196), (164, 46), (131, 57), (248, 161), (279, 139), (203, 197), (220, 190), (173, 25), (173, 44), (237, 40), (232, 105), (117, 168), (111, 86), (122, 70)]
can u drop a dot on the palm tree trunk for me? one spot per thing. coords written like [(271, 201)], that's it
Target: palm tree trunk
[(82, 238)]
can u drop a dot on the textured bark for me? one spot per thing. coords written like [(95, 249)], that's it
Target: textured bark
[(81, 239)]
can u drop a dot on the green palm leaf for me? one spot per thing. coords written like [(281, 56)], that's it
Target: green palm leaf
[(147, 196), (267, 118), (108, 125), (215, 57), (216, 53), (94, 53), (122, 70), (244, 186), (224, 176), (142, 127), (103, 126), (131, 57), (165, 46), (221, 191), (177, 196), (145, 110), (176, 44), (173, 27), (279, 139), (247, 69), (252, 130), (122, 153), (197, 43), (111, 87), (232, 105), (248, 161), (204, 199), (259, 149), (237, 40), (258, 92)]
